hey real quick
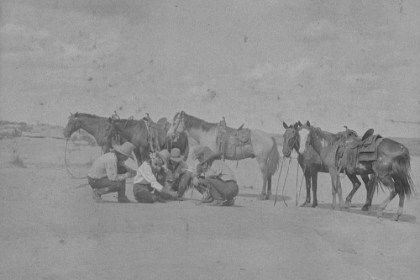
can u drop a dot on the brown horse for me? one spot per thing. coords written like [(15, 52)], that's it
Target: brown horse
[(98, 127), (311, 164), (263, 147), (136, 132), (392, 167)]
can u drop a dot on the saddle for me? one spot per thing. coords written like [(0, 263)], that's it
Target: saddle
[(152, 131), (228, 139), (355, 149)]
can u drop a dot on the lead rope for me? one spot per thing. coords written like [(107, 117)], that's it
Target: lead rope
[(301, 181), (65, 162), (278, 181)]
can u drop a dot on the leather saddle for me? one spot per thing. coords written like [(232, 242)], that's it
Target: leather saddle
[(228, 139), (357, 149)]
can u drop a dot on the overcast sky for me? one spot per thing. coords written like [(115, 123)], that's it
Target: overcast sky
[(336, 63)]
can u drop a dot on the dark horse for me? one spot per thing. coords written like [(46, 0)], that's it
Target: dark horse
[(98, 127), (392, 167), (104, 130), (263, 147), (136, 132), (311, 164)]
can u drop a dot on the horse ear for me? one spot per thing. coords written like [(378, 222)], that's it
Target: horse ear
[(182, 113), (299, 123), (285, 125), (295, 126), (308, 123)]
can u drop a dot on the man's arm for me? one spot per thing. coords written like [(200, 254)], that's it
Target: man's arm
[(148, 175)]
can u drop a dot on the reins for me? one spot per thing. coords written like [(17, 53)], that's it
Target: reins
[(65, 161)]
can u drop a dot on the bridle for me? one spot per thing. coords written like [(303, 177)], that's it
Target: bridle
[(180, 119)]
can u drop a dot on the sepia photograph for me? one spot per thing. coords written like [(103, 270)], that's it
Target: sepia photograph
[(224, 139)]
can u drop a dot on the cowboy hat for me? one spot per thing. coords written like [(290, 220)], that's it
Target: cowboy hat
[(125, 149), (176, 155), (197, 151), (208, 154), (164, 155)]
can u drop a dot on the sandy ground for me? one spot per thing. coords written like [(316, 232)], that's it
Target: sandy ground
[(52, 229)]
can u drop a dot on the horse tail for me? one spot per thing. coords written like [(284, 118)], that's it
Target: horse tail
[(402, 175), (273, 159)]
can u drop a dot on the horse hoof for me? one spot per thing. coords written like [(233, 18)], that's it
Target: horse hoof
[(306, 204), (347, 205), (263, 197), (365, 208), (396, 218)]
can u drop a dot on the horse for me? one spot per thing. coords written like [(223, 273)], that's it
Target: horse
[(311, 164), (98, 127), (136, 132), (391, 168), (263, 147)]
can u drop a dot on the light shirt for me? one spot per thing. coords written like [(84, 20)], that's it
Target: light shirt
[(106, 166), (220, 169), (145, 176)]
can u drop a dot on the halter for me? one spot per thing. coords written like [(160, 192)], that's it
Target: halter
[(180, 119)]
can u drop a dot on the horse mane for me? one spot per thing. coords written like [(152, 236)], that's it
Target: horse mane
[(328, 136), (77, 114), (194, 122)]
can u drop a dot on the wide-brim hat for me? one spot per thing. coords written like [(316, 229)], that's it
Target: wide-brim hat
[(125, 149), (176, 155), (207, 153), (164, 155)]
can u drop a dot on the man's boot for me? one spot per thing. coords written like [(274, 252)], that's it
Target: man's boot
[(215, 202), (96, 195), (123, 199)]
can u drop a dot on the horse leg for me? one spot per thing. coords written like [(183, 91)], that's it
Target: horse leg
[(387, 181), (333, 173), (369, 184), (269, 186), (356, 185), (400, 206), (263, 167), (308, 189), (314, 176)]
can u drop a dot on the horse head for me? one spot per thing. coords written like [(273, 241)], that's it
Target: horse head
[(304, 134), (290, 139), (178, 125), (72, 125)]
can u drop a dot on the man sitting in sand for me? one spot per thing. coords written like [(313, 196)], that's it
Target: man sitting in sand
[(109, 173), (218, 178), (146, 188)]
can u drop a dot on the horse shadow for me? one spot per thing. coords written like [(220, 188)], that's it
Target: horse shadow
[(272, 197), (356, 208)]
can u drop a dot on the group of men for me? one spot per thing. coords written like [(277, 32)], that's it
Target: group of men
[(165, 176)]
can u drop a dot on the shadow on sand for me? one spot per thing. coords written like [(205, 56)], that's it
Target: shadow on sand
[(272, 197), (356, 209)]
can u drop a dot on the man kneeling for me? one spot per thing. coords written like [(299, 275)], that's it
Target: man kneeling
[(109, 172), (218, 178)]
